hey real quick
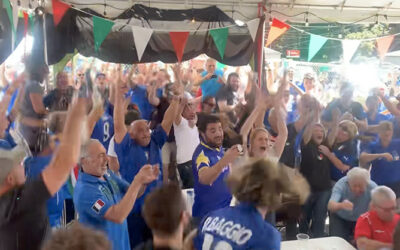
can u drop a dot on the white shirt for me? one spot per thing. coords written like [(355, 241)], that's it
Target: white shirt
[(187, 139), (111, 150)]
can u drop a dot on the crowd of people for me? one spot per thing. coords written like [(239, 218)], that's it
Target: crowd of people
[(102, 161)]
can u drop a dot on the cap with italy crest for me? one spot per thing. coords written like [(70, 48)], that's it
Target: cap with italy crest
[(10, 159)]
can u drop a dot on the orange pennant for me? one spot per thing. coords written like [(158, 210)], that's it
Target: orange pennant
[(179, 40), (383, 45), (276, 30)]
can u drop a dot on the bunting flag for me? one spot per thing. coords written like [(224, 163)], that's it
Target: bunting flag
[(349, 48), (59, 10), (316, 43), (252, 25), (26, 22), (383, 45), (179, 40), (276, 30), (59, 67), (15, 10), (7, 4), (141, 37), (101, 28), (220, 37), (31, 21)]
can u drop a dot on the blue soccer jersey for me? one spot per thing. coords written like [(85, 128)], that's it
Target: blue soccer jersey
[(104, 130), (93, 197), (385, 172), (240, 227), (209, 197)]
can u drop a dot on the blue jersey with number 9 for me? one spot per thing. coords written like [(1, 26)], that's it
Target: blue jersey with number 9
[(241, 227), (104, 130)]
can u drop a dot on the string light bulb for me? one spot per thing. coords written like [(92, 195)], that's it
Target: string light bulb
[(307, 24), (270, 21), (193, 20), (340, 36), (19, 3)]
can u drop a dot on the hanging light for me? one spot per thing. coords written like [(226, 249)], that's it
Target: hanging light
[(340, 36), (239, 22), (270, 16), (193, 20), (307, 24)]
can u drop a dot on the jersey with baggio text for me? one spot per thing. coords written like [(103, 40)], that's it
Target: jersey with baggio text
[(241, 227)]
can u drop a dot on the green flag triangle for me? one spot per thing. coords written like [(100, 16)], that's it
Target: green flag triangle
[(7, 4), (31, 21), (316, 43), (101, 28), (220, 36), (59, 67)]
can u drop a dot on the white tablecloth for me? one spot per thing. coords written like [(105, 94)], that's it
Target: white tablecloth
[(328, 243)]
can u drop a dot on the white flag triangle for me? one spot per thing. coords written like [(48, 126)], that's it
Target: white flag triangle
[(15, 9), (252, 25), (141, 36), (349, 48)]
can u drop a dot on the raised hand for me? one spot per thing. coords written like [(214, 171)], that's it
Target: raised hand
[(148, 173)]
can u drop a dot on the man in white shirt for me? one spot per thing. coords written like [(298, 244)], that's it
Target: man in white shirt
[(187, 139)]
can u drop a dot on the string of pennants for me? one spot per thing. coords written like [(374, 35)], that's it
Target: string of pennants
[(278, 28), (141, 36)]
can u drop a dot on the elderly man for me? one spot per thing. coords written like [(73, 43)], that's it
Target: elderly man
[(374, 229), (136, 146), (350, 198), (211, 79), (102, 199), (23, 217)]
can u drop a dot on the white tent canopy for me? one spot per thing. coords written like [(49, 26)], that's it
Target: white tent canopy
[(320, 11)]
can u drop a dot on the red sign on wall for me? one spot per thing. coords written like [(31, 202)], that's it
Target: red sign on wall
[(293, 53)]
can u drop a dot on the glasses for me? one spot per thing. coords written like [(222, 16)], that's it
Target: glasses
[(81, 74)]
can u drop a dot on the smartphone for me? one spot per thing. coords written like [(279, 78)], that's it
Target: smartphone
[(214, 76)]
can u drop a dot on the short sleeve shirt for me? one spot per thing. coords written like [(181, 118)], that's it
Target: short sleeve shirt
[(209, 197), (240, 228), (93, 197), (288, 155), (341, 191), (104, 129), (346, 152), (139, 97), (26, 109), (370, 226), (58, 100), (185, 147), (315, 167), (132, 157), (384, 172), (355, 109), (21, 208), (7, 142), (211, 87)]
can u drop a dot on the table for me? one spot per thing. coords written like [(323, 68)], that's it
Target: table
[(327, 243)]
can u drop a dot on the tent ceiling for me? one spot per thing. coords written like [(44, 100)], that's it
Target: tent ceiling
[(346, 11)]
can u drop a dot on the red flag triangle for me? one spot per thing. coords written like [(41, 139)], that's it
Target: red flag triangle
[(276, 30), (179, 40), (59, 9), (383, 45), (26, 21)]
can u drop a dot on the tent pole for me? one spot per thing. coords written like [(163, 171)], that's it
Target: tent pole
[(260, 44)]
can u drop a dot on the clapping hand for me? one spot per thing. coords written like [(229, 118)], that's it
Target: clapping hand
[(148, 173)]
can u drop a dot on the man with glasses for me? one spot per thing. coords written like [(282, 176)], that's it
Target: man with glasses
[(103, 200), (374, 229), (208, 105)]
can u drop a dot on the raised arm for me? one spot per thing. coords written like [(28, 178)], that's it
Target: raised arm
[(67, 153), (120, 129), (152, 95), (366, 158), (280, 140), (119, 212), (390, 106), (170, 114), (208, 174)]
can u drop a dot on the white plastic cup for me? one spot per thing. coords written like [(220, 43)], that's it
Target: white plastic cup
[(302, 240)]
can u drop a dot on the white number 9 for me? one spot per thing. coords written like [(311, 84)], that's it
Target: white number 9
[(106, 130)]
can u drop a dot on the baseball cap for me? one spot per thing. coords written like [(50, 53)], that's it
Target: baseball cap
[(9, 159)]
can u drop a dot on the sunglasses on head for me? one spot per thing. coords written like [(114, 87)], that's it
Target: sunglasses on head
[(344, 128)]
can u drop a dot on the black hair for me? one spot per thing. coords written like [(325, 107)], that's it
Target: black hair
[(131, 116), (233, 74), (205, 120)]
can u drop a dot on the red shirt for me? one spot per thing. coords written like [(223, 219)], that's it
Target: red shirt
[(369, 225)]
